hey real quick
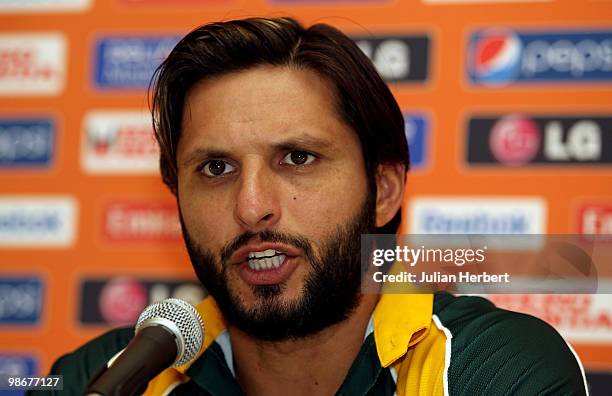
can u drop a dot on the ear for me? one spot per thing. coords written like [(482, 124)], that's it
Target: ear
[(390, 182)]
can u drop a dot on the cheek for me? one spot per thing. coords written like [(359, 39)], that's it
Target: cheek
[(206, 219), (320, 207)]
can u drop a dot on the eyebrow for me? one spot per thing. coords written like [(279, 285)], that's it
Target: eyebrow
[(303, 142)]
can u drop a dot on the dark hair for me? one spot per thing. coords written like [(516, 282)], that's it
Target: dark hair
[(365, 102)]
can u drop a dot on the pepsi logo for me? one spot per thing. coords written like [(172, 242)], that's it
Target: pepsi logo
[(500, 56), (496, 57)]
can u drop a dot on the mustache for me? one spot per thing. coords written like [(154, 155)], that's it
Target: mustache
[(267, 236)]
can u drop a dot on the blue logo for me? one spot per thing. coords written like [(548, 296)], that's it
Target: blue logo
[(20, 301), (474, 215), (416, 129), (26, 142), (435, 222), (129, 62), (19, 366), (498, 57)]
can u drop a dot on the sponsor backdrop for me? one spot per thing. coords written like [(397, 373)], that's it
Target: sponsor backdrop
[(508, 109)]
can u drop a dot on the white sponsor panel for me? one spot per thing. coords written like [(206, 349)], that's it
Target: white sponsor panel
[(580, 318), (119, 142), (141, 221), (32, 221), (477, 215), (32, 63), (596, 219), (36, 6)]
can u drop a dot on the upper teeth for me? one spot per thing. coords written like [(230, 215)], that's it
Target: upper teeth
[(265, 253), (266, 259)]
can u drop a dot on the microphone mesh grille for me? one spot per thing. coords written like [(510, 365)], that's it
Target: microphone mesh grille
[(187, 320)]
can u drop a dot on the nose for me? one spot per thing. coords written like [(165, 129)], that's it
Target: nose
[(257, 201)]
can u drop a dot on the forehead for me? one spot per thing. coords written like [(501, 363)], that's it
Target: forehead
[(266, 103)]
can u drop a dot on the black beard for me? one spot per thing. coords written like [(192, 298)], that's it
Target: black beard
[(330, 294)]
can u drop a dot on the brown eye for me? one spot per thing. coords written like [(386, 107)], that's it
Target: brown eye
[(214, 168), (298, 158)]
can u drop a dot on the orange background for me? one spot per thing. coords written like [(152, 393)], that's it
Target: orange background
[(446, 97)]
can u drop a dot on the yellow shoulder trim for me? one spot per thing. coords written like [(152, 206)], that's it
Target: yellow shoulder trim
[(213, 326), (421, 371)]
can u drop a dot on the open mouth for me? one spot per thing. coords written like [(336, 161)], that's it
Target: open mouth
[(265, 260), (266, 263)]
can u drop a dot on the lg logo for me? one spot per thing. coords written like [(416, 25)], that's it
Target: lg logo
[(391, 58), (397, 58), (581, 142), (516, 140)]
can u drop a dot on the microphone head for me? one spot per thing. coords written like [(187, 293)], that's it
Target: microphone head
[(181, 319)]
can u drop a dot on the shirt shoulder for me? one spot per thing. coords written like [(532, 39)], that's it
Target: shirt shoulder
[(495, 351), (78, 367)]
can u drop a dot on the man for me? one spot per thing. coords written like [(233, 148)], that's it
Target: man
[(283, 146)]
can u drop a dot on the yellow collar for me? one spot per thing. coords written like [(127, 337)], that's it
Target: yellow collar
[(214, 324), (171, 377), (400, 321)]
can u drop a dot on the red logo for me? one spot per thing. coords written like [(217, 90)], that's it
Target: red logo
[(579, 317), (595, 219), (515, 140), (141, 222), (22, 63), (127, 140), (135, 140), (122, 300)]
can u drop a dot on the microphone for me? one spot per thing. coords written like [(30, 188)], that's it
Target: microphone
[(168, 334)]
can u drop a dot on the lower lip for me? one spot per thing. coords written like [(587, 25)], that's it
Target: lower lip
[(270, 276)]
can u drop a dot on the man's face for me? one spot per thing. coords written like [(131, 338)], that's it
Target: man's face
[(273, 196)]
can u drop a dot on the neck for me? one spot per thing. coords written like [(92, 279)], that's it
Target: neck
[(316, 364)]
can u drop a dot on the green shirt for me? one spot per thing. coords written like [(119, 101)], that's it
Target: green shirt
[(420, 345)]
